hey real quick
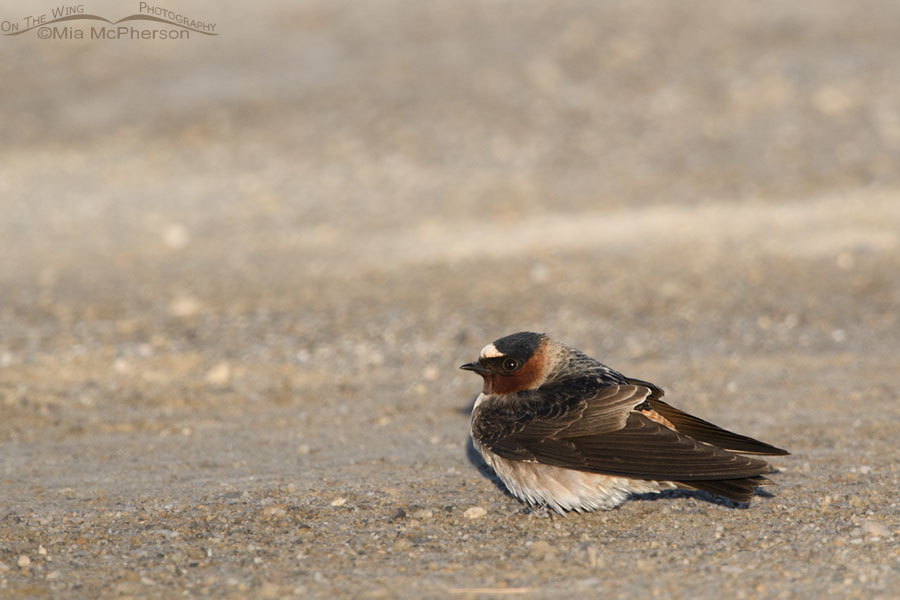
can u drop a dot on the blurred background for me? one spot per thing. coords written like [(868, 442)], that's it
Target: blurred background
[(253, 260)]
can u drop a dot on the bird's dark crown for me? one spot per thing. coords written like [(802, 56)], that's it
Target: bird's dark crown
[(520, 345)]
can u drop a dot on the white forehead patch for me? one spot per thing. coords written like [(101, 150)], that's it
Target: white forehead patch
[(490, 351)]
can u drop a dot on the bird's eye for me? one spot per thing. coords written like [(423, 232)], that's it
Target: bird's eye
[(510, 365)]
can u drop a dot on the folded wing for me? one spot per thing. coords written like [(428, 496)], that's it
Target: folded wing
[(604, 434)]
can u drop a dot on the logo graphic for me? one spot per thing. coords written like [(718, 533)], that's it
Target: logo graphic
[(72, 22)]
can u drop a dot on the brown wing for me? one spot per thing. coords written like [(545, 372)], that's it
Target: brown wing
[(582, 408), (704, 431), (602, 434)]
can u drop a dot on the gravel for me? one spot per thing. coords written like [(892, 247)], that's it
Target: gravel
[(240, 273)]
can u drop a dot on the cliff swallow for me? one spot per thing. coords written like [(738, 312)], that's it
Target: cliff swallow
[(563, 430)]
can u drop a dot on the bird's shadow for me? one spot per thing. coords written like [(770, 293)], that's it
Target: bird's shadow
[(700, 495), (486, 471)]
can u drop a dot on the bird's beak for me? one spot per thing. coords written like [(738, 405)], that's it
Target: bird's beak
[(474, 366)]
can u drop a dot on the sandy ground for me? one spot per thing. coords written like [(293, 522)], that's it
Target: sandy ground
[(238, 274)]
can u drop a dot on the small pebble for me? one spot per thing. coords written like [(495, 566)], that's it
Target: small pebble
[(542, 550), (476, 512), (592, 556), (219, 374), (270, 589), (646, 566), (845, 260), (339, 501), (402, 544), (275, 511), (876, 529), (423, 513), (24, 561), (176, 236), (539, 273), (185, 306)]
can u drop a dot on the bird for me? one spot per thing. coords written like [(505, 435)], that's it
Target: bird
[(566, 432)]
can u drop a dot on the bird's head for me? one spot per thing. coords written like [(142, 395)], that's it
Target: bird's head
[(517, 362)]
